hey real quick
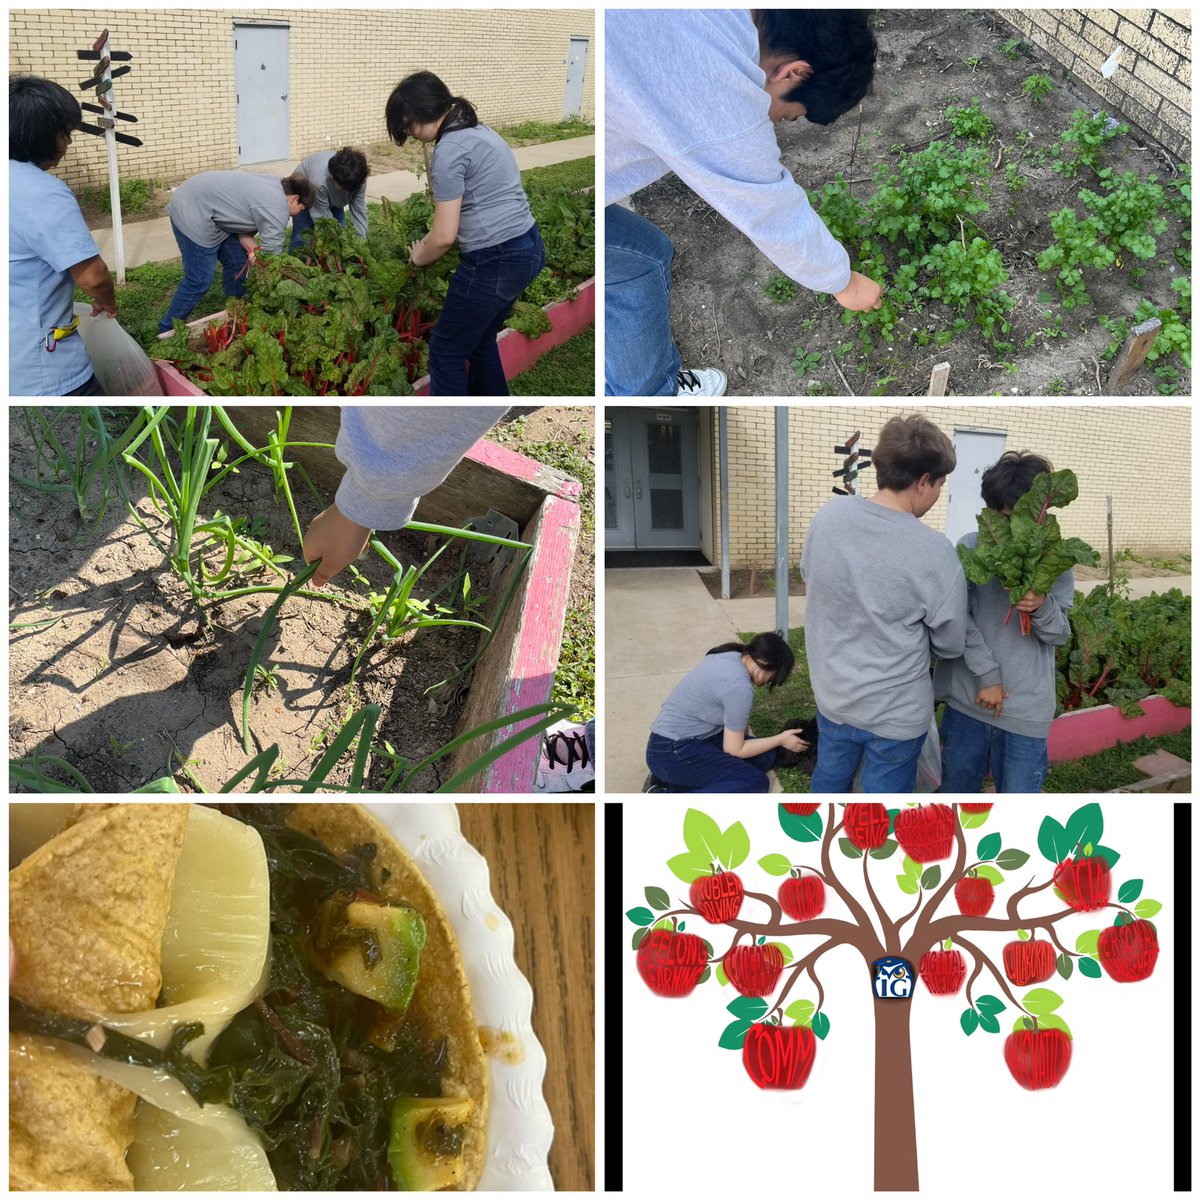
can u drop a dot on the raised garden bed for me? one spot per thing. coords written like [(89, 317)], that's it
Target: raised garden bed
[(129, 677), (1089, 730), (518, 351)]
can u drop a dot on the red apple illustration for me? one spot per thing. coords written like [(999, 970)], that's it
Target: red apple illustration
[(1128, 952), (1038, 1058), (866, 825), (926, 833), (976, 808), (802, 810), (803, 898), (779, 1056), (1085, 882), (671, 963), (754, 970), (942, 971), (1029, 962), (718, 898), (974, 895)]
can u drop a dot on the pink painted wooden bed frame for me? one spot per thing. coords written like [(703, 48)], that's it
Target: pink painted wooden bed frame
[(1090, 730)]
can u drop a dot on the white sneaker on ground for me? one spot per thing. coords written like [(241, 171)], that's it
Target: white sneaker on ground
[(565, 764), (708, 381)]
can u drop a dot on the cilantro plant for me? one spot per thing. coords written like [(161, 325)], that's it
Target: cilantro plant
[(1076, 245), (1128, 211), (1084, 140), (1027, 552), (969, 276), (969, 121)]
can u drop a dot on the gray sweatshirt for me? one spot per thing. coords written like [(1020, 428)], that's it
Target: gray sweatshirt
[(394, 455), (997, 653), (707, 119), (329, 195), (883, 592), (212, 205), (717, 694)]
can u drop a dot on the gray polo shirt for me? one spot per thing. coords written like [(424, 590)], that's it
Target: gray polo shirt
[(717, 694), (329, 195), (478, 165), (212, 205)]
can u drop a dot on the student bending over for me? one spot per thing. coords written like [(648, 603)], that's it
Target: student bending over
[(698, 741)]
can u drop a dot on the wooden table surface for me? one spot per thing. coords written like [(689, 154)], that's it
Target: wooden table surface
[(542, 863)]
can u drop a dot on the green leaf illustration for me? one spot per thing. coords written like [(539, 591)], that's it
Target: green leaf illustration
[(1145, 909), (969, 1020), (722, 978), (989, 847), (1089, 967), (734, 1035), (1054, 842), (640, 916), (908, 885), (990, 1004), (702, 835), (657, 898), (689, 867), (1042, 1001), (1130, 890), (775, 864), (704, 978), (801, 829), (988, 872), (988, 1023), (748, 1008), (820, 1025), (1086, 825), (784, 949), (848, 848), (886, 850), (1050, 1021), (1012, 859), (639, 936), (1064, 964), (931, 878), (800, 1011)]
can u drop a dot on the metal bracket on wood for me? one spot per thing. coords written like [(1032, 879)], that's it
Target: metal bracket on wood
[(939, 377), (494, 524), (1132, 356)]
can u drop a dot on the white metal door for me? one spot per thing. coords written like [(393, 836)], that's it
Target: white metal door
[(618, 483), (576, 66), (260, 56), (976, 450)]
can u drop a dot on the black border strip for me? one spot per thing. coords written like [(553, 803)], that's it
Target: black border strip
[(1182, 945), (614, 1014)]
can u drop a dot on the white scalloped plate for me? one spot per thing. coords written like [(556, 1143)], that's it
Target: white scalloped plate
[(519, 1126)]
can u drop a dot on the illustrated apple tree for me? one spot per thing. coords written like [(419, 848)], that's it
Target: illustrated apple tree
[(777, 1029)]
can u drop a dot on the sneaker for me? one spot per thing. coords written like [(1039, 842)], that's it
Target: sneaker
[(654, 784), (708, 381), (565, 764)]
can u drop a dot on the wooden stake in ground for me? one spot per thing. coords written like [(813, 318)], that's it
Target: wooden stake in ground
[(939, 377), (1133, 354), (1112, 565)]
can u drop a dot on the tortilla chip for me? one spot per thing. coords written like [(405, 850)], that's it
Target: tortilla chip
[(87, 911), (442, 1003), (68, 1129)]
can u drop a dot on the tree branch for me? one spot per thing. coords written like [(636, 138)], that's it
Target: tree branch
[(950, 927), (981, 957), (798, 969), (891, 938), (951, 879), (864, 921), (770, 902)]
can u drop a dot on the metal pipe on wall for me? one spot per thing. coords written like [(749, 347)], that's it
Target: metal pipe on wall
[(723, 452), (781, 520)]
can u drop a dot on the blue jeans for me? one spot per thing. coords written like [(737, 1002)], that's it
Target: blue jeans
[(303, 222), (887, 765), (701, 765), (971, 748), (199, 266), (640, 355), (464, 359)]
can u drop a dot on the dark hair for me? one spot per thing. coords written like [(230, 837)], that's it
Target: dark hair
[(768, 650), (298, 184), (422, 97), (349, 169), (1010, 477), (909, 447), (839, 46), (39, 110)]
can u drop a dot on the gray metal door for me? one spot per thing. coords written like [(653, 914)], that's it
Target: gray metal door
[(666, 478), (576, 65), (618, 483), (260, 55), (976, 450)]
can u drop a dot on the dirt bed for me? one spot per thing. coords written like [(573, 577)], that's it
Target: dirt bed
[(131, 681), (720, 316)]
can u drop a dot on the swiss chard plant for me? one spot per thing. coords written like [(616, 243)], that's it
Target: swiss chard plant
[(1027, 552), (1123, 650)]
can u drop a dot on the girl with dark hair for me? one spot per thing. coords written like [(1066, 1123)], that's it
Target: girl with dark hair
[(340, 182), (698, 741), (50, 251), (215, 215), (480, 203)]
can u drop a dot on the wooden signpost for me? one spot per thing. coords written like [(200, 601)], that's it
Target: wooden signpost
[(106, 127), (857, 459)]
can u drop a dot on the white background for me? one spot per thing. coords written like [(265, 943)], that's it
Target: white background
[(1108, 1122)]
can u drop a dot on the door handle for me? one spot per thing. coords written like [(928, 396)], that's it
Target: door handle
[(628, 493), (639, 489)]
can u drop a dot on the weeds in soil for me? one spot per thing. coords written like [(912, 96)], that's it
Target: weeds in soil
[(1012, 49), (804, 361), (969, 121), (1083, 142), (1037, 87), (780, 289)]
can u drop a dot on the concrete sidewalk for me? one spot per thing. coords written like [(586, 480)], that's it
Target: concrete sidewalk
[(658, 624), (153, 241)]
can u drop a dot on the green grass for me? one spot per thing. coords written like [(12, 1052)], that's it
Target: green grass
[(530, 133), (1114, 767), (575, 174), (567, 370)]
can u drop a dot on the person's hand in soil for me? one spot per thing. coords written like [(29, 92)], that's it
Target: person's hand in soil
[(860, 294), (336, 541)]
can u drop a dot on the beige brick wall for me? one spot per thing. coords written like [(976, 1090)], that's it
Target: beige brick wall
[(343, 63), (1153, 81), (1141, 455)]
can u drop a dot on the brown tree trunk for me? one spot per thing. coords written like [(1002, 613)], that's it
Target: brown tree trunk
[(895, 1119)]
